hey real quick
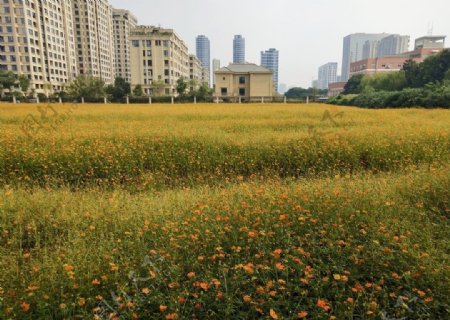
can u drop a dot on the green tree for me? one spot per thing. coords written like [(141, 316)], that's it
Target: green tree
[(203, 92), (119, 90), (7, 80), (302, 93), (24, 83), (390, 81), (181, 87), (353, 86), (87, 87), (158, 88), (137, 91)]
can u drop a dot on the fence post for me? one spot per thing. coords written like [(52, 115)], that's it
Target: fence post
[(150, 100), (217, 99), (240, 100), (284, 99), (307, 100), (14, 100), (37, 99), (128, 100), (173, 100), (195, 100), (82, 100), (60, 100), (262, 99)]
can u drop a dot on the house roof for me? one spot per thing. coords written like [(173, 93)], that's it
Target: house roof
[(244, 68)]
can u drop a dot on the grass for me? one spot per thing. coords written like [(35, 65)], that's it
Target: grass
[(225, 212)]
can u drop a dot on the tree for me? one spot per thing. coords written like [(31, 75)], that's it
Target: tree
[(353, 86), (301, 93), (389, 81), (137, 91), (24, 83), (7, 80), (158, 87), (181, 87), (48, 88), (87, 87), (203, 91), (119, 90)]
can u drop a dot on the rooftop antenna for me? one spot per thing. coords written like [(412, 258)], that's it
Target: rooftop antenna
[(430, 29)]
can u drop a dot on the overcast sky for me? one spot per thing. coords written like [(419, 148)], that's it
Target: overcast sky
[(308, 33)]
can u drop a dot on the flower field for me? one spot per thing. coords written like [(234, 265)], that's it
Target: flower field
[(224, 212)]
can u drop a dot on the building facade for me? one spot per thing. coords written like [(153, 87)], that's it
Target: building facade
[(392, 45), (327, 75), (37, 40), (158, 59), (123, 22), (424, 47), (203, 52), (238, 49), (353, 48), (247, 82), (94, 39), (269, 60)]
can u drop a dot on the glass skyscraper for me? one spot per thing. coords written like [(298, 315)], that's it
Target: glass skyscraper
[(269, 60), (203, 53), (238, 49)]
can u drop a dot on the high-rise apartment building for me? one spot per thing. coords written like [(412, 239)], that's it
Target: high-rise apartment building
[(94, 38), (327, 75), (353, 49), (269, 60), (123, 22), (370, 49), (238, 49), (37, 40), (204, 54), (158, 59)]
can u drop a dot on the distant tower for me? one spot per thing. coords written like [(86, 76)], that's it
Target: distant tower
[(269, 60), (238, 49), (216, 67), (203, 53)]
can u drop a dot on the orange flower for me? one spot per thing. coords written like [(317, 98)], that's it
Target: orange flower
[(145, 291), (81, 302), (171, 316), (280, 266), (96, 282), (302, 314), (273, 314), (248, 268), (323, 304), (204, 286), (191, 274), (162, 308), (247, 299), (350, 300), (25, 306)]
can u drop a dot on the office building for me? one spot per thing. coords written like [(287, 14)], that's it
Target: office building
[(269, 60), (238, 49), (424, 47), (37, 40), (123, 22), (392, 45), (327, 75), (353, 49), (203, 51), (158, 59), (247, 81)]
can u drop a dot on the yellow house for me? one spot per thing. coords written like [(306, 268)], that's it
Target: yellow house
[(248, 81)]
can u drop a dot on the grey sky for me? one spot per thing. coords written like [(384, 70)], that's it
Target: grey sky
[(308, 33)]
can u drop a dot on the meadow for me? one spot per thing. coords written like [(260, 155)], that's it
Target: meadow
[(224, 212)]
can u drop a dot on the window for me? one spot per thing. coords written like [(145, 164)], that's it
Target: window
[(242, 91), (224, 91), (135, 43), (241, 80)]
